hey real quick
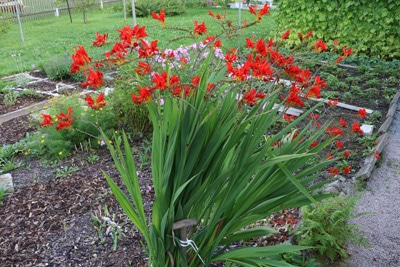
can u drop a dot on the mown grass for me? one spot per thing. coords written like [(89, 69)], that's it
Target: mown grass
[(48, 39)]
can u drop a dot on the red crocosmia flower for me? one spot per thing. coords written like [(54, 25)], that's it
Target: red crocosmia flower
[(184, 61), (334, 131), (333, 171), (330, 157), (288, 118), (320, 46), (332, 103), (347, 170), (98, 64), (362, 113), (335, 43), (196, 80), (118, 51), (131, 36), (94, 79), (240, 72), (217, 16), (347, 52), (208, 39), (339, 59), (314, 91), (342, 122), (100, 101), (217, 43), (263, 11), (339, 144), (210, 86), (304, 77), (252, 96), (376, 155), (314, 117), (143, 68), (146, 49), (160, 18), (231, 56), (250, 43), (285, 35), (293, 98), (160, 80), (80, 60), (144, 95), (261, 48), (65, 120), (101, 39), (355, 128), (314, 144), (199, 29), (47, 120), (304, 38), (346, 154)]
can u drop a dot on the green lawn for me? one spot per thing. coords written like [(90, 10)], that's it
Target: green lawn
[(46, 39)]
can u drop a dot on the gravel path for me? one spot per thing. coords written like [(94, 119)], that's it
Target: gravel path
[(382, 197)]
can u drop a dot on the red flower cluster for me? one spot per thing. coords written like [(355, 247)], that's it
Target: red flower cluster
[(334, 131), (199, 29), (47, 120), (94, 79), (355, 128), (160, 17), (80, 60), (320, 46), (305, 37), (65, 120), (217, 16), (263, 11), (100, 101), (362, 113), (144, 95), (101, 39), (293, 98), (130, 36), (285, 35), (252, 96)]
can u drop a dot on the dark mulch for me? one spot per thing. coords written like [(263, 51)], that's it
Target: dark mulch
[(48, 220)]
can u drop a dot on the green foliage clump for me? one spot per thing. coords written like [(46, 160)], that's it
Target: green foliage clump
[(370, 27), (144, 8), (326, 227), (55, 143), (58, 68), (5, 21), (133, 118)]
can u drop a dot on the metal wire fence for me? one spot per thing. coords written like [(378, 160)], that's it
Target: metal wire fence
[(36, 9)]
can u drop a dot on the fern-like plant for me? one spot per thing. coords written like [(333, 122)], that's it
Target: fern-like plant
[(326, 227)]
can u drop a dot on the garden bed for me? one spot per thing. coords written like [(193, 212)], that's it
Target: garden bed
[(58, 213)]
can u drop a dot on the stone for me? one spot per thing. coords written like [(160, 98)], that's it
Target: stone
[(331, 190), (367, 129), (341, 178), (6, 182)]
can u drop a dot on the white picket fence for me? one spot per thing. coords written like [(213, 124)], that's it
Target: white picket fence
[(35, 9)]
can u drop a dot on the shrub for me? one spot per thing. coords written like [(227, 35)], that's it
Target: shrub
[(59, 134), (326, 227), (144, 8), (5, 21), (132, 118), (369, 27), (58, 68)]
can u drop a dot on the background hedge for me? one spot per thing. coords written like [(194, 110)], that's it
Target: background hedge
[(370, 27)]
